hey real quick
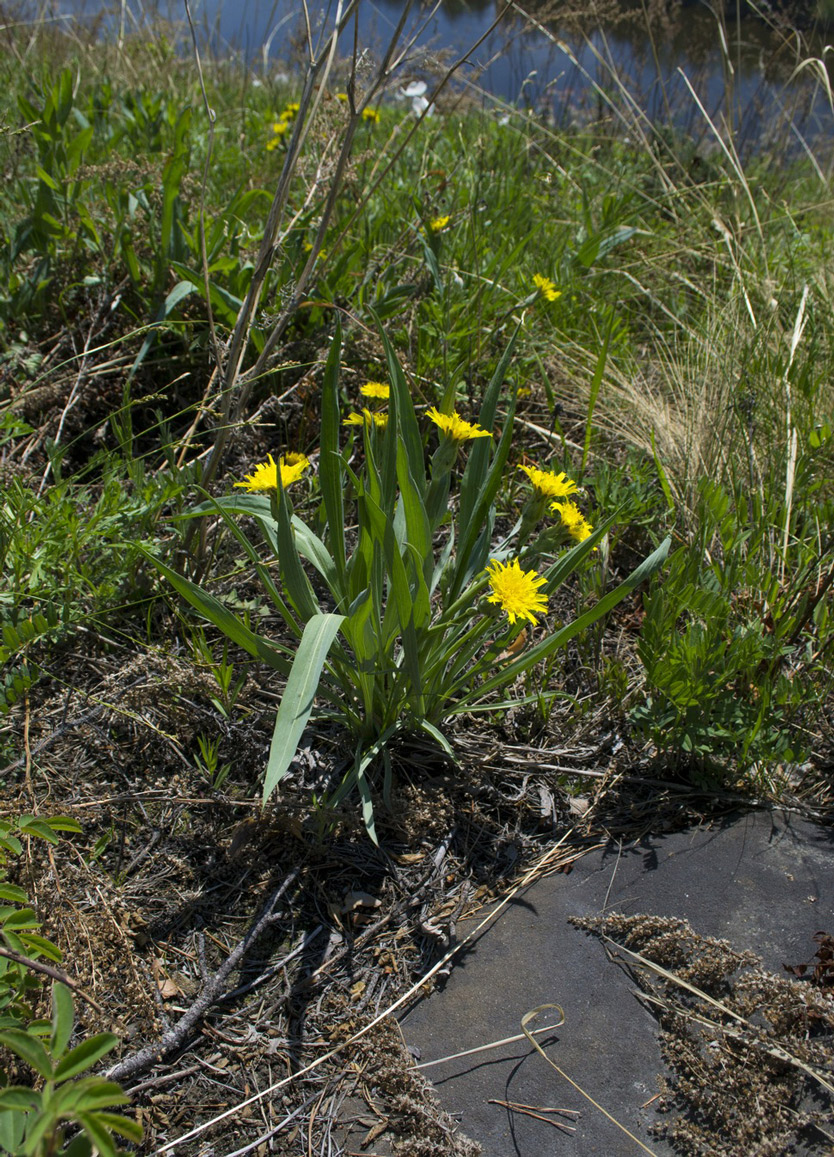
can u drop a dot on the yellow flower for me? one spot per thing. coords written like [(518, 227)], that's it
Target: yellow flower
[(548, 484), (290, 111), (454, 427), (546, 287), (366, 417), (265, 476), (438, 224), (573, 520), (279, 128), (370, 114), (516, 590), (380, 390), (342, 96)]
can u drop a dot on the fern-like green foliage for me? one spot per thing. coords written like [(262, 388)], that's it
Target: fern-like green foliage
[(70, 1112), (17, 637)]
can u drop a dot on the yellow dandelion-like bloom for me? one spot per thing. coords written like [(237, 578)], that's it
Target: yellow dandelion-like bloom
[(279, 129), (370, 114), (454, 427), (266, 475), (366, 418), (342, 96), (438, 224), (548, 484), (291, 111), (378, 390), (573, 520), (546, 287), (516, 591)]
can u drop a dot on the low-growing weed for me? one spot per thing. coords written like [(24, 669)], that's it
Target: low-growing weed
[(408, 634), (60, 1110)]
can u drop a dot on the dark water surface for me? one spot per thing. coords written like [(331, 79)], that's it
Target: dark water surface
[(739, 70)]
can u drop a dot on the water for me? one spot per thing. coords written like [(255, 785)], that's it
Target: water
[(740, 70)]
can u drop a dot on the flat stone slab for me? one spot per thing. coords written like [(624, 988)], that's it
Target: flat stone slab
[(763, 881)]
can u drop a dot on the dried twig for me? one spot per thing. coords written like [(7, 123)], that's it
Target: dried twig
[(139, 1061)]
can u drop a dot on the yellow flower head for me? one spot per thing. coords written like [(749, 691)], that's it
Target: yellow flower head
[(370, 114), (546, 287), (291, 111), (378, 390), (438, 224), (573, 520), (516, 590), (454, 427), (265, 476), (366, 418), (548, 484)]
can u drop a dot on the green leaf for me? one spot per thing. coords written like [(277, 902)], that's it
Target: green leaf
[(553, 642), (29, 1049), (299, 696), (296, 584), (98, 1134), (39, 946), (87, 1095), (64, 824), (18, 1097), (85, 1055), (13, 893), (13, 1121), (31, 826), (401, 405), (227, 622), (479, 453), (331, 473), (124, 1126), (63, 1017)]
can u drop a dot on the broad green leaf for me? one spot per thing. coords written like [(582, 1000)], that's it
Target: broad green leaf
[(124, 1126), (29, 1049), (32, 826), (18, 1097), (63, 1017), (36, 945), (98, 1134), (85, 1055), (64, 824), (12, 893), (88, 1094), (13, 1121), (20, 919), (299, 696)]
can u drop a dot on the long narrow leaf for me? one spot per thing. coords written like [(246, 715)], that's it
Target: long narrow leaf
[(330, 460), (299, 696), (553, 642), (407, 426), (471, 523), (478, 464), (296, 584), (225, 621)]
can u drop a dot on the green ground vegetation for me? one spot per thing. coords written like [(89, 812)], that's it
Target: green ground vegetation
[(670, 310)]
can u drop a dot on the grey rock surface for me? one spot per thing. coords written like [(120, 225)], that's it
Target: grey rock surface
[(763, 881)]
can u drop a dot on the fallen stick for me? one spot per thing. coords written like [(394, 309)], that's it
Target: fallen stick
[(214, 989)]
